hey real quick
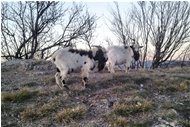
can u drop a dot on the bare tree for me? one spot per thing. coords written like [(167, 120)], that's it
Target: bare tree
[(22, 24), (166, 25), (142, 16), (88, 36), (184, 55), (170, 31), (118, 25), (31, 27), (125, 27)]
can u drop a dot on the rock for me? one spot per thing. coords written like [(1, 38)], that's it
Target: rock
[(172, 112), (165, 123)]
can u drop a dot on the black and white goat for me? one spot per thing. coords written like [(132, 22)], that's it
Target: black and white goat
[(69, 60), (118, 55)]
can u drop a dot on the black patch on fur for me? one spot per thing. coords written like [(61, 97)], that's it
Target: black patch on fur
[(70, 71), (92, 68), (63, 81), (136, 54), (101, 59), (85, 62), (54, 59), (58, 70), (82, 52), (85, 79)]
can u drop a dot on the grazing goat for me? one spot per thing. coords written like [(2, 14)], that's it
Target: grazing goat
[(118, 55), (69, 60)]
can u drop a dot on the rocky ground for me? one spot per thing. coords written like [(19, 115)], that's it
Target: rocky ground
[(143, 98)]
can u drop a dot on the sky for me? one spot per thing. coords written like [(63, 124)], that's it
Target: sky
[(102, 11)]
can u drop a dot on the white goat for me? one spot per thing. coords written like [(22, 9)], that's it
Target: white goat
[(69, 60), (118, 55)]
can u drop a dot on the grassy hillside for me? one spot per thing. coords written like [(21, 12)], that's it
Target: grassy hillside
[(30, 97)]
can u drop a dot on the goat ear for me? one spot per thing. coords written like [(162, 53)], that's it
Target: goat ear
[(140, 46)]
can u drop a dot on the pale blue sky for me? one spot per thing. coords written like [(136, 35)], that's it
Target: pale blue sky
[(102, 11)]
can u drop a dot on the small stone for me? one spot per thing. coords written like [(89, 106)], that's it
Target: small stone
[(174, 111), (173, 124), (139, 104)]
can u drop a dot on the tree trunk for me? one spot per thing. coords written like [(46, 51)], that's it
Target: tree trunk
[(155, 64)]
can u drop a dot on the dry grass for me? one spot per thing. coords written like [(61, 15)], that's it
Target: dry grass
[(46, 108), (177, 70), (30, 84), (39, 110), (36, 112), (122, 121), (49, 79), (184, 86), (18, 96), (70, 114), (139, 98), (29, 113), (128, 108), (142, 94), (171, 84), (119, 122), (185, 123)]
